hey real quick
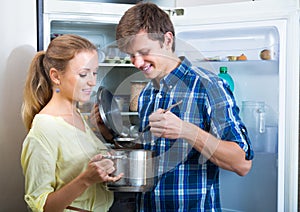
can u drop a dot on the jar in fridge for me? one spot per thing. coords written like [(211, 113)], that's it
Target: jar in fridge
[(254, 116), (135, 90)]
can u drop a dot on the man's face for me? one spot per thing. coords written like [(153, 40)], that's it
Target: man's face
[(151, 57)]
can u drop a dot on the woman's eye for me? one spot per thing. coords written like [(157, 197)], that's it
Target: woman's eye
[(94, 73)]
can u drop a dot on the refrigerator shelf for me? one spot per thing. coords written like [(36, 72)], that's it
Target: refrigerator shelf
[(116, 65), (259, 67), (122, 113), (241, 61)]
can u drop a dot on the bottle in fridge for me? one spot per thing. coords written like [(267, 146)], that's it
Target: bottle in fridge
[(226, 76)]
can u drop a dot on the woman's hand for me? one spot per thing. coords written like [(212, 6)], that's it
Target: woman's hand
[(97, 171), (95, 117), (100, 170), (96, 121)]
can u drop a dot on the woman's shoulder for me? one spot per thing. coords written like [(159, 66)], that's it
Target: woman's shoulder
[(47, 126), (42, 133), (45, 121)]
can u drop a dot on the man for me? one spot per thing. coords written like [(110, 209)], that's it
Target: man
[(196, 137)]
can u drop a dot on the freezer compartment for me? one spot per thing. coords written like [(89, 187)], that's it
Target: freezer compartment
[(101, 34)]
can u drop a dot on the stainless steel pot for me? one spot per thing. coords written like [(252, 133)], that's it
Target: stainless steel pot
[(139, 168), (127, 143), (138, 165)]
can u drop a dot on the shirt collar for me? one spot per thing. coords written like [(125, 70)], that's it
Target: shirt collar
[(178, 73)]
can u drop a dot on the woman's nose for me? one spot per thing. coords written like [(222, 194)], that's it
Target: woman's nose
[(92, 80)]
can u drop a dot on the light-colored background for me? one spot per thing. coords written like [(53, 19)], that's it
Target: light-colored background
[(17, 47)]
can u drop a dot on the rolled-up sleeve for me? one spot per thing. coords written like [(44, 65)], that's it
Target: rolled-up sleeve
[(39, 171), (225, 121)]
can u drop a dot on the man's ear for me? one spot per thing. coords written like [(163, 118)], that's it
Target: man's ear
[(169, 39)]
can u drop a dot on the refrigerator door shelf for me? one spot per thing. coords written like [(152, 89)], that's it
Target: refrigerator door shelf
[(221, 43)]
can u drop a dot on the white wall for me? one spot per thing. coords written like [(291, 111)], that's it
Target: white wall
[(17, 47)]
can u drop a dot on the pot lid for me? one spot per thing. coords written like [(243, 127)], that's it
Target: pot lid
[(109, 111)]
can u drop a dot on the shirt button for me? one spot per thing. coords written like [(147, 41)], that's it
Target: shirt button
[(170, 86)]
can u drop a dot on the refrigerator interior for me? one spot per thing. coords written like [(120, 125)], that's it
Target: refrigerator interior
[(256, 80)]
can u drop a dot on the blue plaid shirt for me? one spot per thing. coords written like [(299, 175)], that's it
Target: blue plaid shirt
[(186, 180)]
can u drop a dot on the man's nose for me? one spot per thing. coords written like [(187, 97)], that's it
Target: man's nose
[(137, 61)]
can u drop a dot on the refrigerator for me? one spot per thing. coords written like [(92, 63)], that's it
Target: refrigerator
[(266, 79)]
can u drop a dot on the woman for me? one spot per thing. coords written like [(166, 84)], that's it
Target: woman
[(60, 157)]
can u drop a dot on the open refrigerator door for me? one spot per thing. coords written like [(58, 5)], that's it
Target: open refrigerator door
[(260, 50)]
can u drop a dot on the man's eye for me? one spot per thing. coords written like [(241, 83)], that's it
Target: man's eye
[(144, 53), (95, 73), (140, 53), (82, 75)]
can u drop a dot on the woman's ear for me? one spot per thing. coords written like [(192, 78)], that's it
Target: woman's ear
[(54, 76)]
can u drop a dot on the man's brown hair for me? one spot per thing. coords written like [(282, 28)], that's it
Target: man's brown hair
[(143, 16)]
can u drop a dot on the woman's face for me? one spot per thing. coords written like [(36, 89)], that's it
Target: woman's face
[(77, 82)]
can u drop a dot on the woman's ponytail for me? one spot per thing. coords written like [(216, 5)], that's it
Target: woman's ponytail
[(37, 91)]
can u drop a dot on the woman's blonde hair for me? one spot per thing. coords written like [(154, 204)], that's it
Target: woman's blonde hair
[(38, 86)]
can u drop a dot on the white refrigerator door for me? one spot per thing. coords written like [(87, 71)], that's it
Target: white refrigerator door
[(272, 183)]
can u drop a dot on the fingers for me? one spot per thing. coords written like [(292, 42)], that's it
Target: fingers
[(105, 168), (114, 178), (165, 124), (96, 158), (105, 164), (157, 121), (110, 170), (95, 115), (107, 175)]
